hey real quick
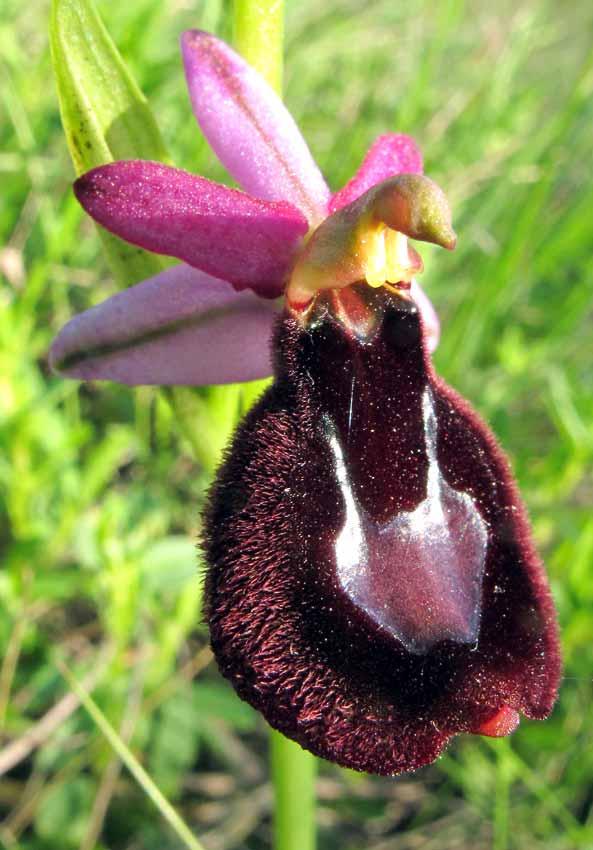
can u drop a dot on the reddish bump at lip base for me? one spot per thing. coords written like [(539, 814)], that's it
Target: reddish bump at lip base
[(502, 723)]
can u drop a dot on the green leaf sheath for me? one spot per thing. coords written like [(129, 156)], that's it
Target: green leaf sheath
[(104, 113)]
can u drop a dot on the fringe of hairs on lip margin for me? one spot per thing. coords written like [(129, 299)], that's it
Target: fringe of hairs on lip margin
[(372, 587)]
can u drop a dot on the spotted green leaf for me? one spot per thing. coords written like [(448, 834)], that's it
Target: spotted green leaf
[(104, 113)]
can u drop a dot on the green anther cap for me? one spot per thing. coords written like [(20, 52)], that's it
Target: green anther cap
[(413, 204)]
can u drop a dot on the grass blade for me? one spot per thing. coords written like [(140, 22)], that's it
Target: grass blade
[(124, 753)]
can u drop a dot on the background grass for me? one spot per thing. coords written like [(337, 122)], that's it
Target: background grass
[(100, 496)]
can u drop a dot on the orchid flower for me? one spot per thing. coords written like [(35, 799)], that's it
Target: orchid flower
[(372, 586), (210, 319)]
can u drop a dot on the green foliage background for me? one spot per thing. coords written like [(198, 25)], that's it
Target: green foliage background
[(99, 492)]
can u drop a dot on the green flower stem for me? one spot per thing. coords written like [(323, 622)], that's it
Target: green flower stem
[(259, 33), (293, 775), (259, 30)]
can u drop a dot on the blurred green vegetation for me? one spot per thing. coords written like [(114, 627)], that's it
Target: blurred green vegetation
[(100, 496)]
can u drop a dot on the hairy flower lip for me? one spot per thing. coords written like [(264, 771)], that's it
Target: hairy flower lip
[(330, 677)]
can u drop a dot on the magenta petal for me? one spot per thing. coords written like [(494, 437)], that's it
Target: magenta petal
[(430, 320), (180, 327), (222, 231), (250, 130), (389, 155)]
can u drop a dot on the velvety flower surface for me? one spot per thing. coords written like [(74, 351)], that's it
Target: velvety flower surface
[(373, 588), (372, 585)]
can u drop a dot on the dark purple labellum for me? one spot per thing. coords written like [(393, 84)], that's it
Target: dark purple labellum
[(372, 585)]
